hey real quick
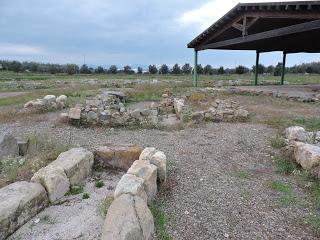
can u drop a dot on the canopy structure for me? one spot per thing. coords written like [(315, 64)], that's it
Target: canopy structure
[(290, 27)]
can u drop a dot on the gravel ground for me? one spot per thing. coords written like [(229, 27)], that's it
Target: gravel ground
[(222, 178)]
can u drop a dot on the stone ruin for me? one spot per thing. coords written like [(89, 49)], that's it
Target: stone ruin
[(109, 109), (304, 148), (49, 102)]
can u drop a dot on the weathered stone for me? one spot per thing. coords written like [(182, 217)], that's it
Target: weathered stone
[(170, 121), (50, 98), (147, 153), (307, 155), (241, 113), (62, 101), (75, 113), (178, 106), (159, 159), (64, 117), (19, 202), (296, 133), (36, 104), (23, 147), (148, 172), (197, 116), (8, 146), (128, 218), (77, 164), (121, 95), (130, 184), (116, 156), (92, 117), (136, 113), (54, 180)]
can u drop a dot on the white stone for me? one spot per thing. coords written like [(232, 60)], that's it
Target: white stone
[(241, 113), (128, 218), (50, 98), (147, 153), (62, 99), (178, 104), (77, 164), (54, 180), (148, 172), (159, 159), (130, 184), (296, 133), (19, 202), (307, 155)]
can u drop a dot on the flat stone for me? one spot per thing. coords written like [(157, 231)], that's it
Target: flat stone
[(130, 184), (54, 180), (296, 133), (116, 156), (148, 172), (77, 164), (19, 202), (8, 146), (128, 218), (75, 113)]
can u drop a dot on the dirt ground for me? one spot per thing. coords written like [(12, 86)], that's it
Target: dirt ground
[(220, 178)]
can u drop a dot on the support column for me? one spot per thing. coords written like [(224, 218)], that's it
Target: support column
[(256, 70), (195, 69), (283, 67)]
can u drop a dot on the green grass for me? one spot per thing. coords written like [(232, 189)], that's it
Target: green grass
[(85, 196), (278, 142), (161, 221), (99, 184), (280, 187), (244, 175), (284, 166), (75, 190), (104, 206), (310, 124)]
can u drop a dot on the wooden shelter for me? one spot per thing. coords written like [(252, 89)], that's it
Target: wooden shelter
[(290, 27)]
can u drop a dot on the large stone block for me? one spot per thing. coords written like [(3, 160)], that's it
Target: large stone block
[(19, 202), (159, 159), (75, 113), (54, 180), (307, 155), (77, 164), (8, 146), (148, 172), (128, 218), (116, 156), (130, 184), (296, 133)]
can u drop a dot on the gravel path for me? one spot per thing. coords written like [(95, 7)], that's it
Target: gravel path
[(222, 174)]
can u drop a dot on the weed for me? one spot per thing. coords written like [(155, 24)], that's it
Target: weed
[(280, 187), (278, 142), (104, 206), (314, 222), (99, 184), (75, 190), (284, 166), (85, 196), (47, 219), (161, 222), (244, 175)]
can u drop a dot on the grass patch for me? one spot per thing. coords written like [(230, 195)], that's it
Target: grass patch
[(284, 166), (161, 221), (280, 187), (85, 196), (99, 184), (104, 206), (75, 190), (244, 175), (281, 123), (313, 222), (278, 142)]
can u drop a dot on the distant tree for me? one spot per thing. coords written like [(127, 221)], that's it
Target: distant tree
[(99, 70), (140, 70), (16, 66), (176, 69), (164, 69), (270, 69), (207, 70), (84, 69), (153, 69), (241, 69), (127, 70), (261, 68), (221, 70), (186, 68), (199, 69), (113, 69), (278, 70), (71, 69)]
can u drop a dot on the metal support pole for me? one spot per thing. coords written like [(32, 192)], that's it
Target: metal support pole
[(195, 69), (256, 70), (283, 67)]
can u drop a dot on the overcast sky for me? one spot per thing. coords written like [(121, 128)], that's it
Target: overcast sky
[(118, 32)]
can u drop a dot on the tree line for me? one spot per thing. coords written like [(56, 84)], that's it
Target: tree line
[(35, 67)]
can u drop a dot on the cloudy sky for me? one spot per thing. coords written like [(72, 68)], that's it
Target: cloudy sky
[(139, 32)]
